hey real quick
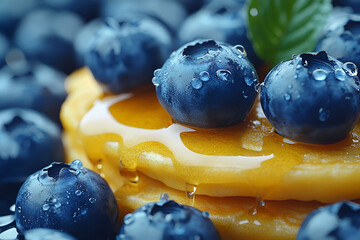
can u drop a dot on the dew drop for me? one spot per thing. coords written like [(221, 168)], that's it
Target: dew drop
[(223, 74), (78, 193), (129, 219), (157, 73), (46, 207), (164, 197), (323, 114), (244, 94), (206, 214), (350, 68), (254, 12), (319, 74), (306, 63), (196, 83), (19, 209), (287, 97), (84, 211), (92, 200), (156, 81), (298, 66), (57, 205), (204, 76), (77, 165), (290, 86), (340, 74), (241, 50), (249, 81), (190, 190)]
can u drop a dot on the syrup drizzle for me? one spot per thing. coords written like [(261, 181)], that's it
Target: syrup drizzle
[(169, 136)]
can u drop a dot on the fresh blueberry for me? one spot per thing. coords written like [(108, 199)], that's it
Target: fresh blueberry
[(32, 85), (11, 13), (82, 41), (168, 12), (29, 142), (124, 53), (87, 9), (4, 48), (343, 41), (222, 21), (167, 220), (45, 234), (207, 84), (312, 98), (48, 35), (338, 221), (68, 198)]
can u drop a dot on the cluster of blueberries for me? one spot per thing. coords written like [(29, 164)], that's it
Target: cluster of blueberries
[(204, 83)]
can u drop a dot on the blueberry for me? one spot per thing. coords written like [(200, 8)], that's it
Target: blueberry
[(207, 84), (167, 220), (168, 12), (87, 9), (83, 39), (222, 21), (343, 41), (312, 98), (32, 85), (68, 198), (124, 53), (338, 221), (46, 234), (29, 142), (11, 13), (4, 48), (48, 35)]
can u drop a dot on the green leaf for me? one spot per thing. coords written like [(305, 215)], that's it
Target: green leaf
[(280, 28)]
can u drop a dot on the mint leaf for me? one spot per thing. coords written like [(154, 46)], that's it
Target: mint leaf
[(280, 28)]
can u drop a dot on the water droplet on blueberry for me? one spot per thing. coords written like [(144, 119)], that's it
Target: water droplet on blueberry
[(92, 200), (155, 81), (350, 68), (157, 72), (78, 193), (57, 205), (206, 214), (323, 114), (204, 76), (290, 86), (241, 50), (340, 74), (77, 165), (223, 74), (249, 81), (196, 83), (320, 74), (164, 197), (46, 207), (287, 97)]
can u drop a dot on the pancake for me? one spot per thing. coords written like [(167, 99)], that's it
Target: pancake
[(254, 183)]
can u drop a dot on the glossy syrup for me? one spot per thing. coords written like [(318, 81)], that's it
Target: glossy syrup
[(131, 132)]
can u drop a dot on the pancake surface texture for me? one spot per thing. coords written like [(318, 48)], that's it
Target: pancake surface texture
[(227, 169)]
